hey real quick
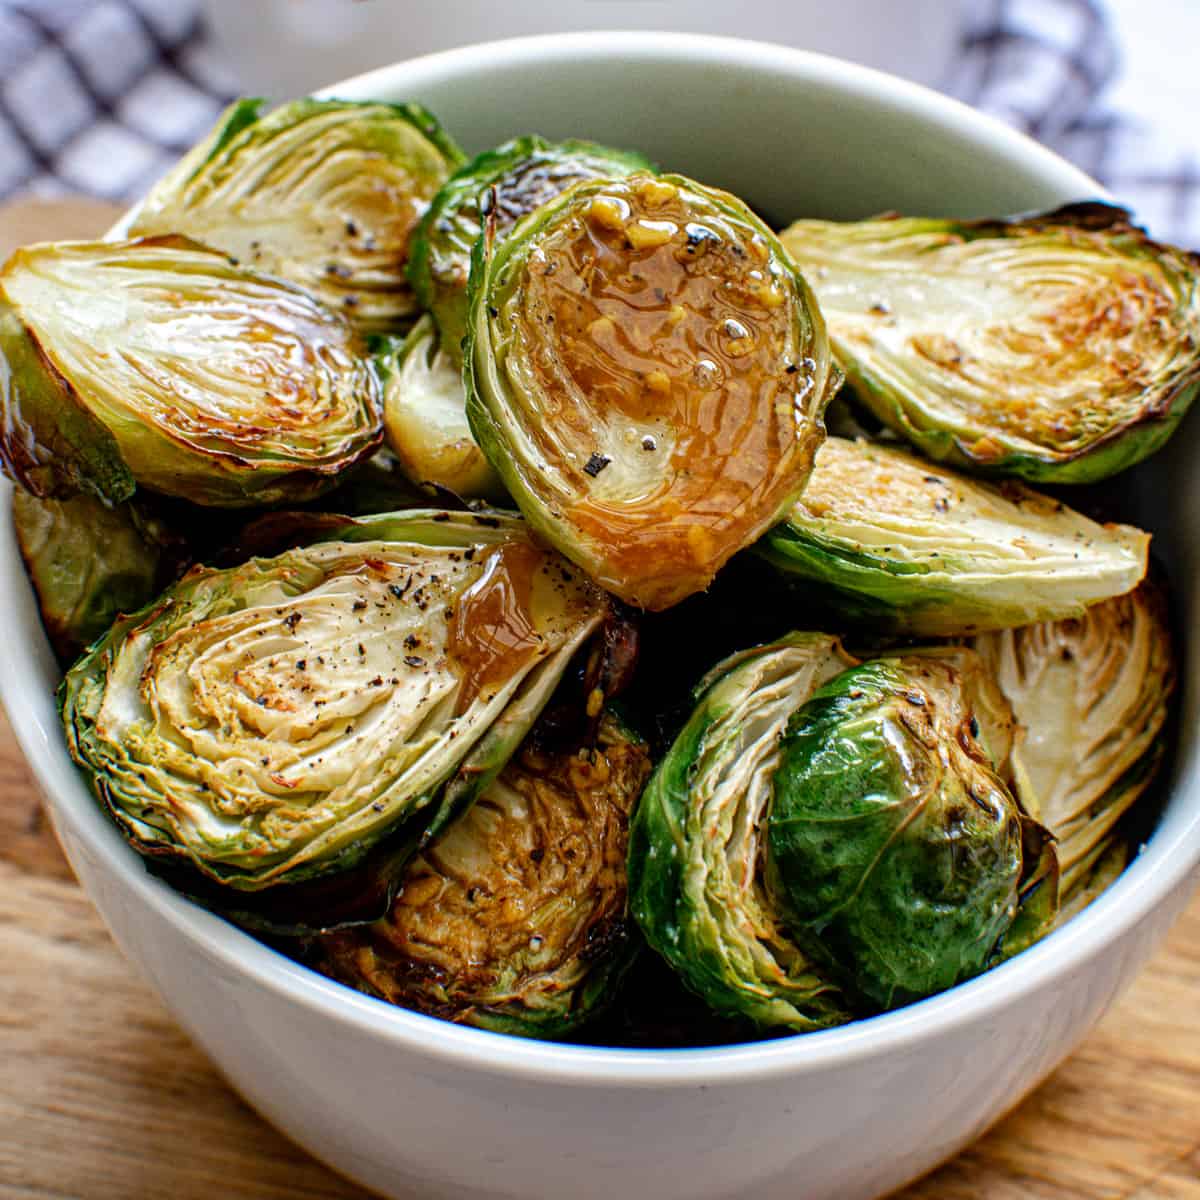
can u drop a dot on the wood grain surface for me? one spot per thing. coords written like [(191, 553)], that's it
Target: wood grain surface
[(102, 1097)]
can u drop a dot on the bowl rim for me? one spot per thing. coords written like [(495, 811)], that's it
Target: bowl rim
[(1171, 854)]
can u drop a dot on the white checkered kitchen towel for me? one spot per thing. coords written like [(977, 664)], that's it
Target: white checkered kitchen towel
[(99, 96)]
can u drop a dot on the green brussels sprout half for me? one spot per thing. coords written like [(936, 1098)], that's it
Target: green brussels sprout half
[(325, 193), (514, 918), (1093, 694), (272, 722), (1060, 348), (647, 372), (156, 362), (893, 847), (697, 843), (88, 563), (885, 539), (425, 418), (518, 177)]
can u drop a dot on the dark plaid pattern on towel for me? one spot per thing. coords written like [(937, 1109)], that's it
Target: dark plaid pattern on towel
[(1045, 67), (100, 96)]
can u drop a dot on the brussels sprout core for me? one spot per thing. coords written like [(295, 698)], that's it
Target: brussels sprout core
[(514, 919), (648, 375), (156, 361), (273, 721), (894, 846)]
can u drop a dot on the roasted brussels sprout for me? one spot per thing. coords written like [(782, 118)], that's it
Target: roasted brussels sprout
[(516, 179), (1092, 694), (893, 846), (88, 563), (826, 839), (1062, 347), (647, 373), (156, 362), (514, 919), (890, 541), (326, 193), (425, 419), (272, 722), (697, 842)]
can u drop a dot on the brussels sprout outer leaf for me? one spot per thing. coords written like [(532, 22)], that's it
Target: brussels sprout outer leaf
[(695, 845), (514, 918), (522, 175), (893, 846), (326, 193), (889, 541), (425, 419), (213, 384), (1040, 894), (357, 896), (1061, 348), (88, 563), (273, 722), (643, 459), (50, 444)]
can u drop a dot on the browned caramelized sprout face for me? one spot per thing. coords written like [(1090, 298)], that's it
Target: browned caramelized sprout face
[(157, 362), (272, 722), (326, 193), (648, 374), (1061, 347), (515, 918)]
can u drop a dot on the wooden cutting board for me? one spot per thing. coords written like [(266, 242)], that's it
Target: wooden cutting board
[(102, 1096)]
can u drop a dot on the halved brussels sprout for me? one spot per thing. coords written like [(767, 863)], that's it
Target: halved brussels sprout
[(273, 721), (88, 563), (514, 919), (1061, 347), (1093, 695), (326, 193), (425, 419), (826, 838), (516, 178), (884, 538), (647, 372), (893, 845), (697, 842), (156, 362)]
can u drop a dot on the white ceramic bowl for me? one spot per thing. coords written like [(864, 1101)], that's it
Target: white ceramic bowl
[(415, 1107)]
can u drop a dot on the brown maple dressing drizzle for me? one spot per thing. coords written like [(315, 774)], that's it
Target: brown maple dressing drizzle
[(658, 309), (492, 633)]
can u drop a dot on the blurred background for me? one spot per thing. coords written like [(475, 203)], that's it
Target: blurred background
[(99, 96)]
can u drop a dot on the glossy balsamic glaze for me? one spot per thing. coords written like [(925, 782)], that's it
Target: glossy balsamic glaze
[(665, 332), (493, 630)]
